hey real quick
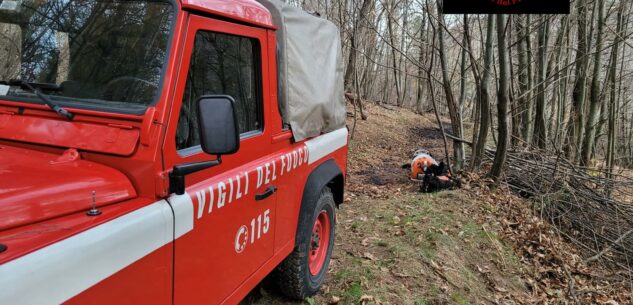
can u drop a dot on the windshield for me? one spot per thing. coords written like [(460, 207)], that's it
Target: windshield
[(88, 53)]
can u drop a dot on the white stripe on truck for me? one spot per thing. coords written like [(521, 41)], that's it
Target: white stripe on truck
[(183, 211), (326, 144), (58, 272)]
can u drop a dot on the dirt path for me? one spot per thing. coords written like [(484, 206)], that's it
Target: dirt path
[(397, 246)]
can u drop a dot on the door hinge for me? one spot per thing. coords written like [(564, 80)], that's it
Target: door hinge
[(162, 184)]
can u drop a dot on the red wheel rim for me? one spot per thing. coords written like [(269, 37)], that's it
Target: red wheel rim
[(319, 243)]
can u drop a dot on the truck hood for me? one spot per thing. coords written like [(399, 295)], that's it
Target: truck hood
[(36, 186)]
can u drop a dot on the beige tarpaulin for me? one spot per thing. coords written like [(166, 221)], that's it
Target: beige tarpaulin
[(310, 71)]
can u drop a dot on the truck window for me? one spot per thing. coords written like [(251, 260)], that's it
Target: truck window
[(102, 54), (221, 64)]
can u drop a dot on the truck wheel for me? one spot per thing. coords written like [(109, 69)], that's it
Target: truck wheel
[(301, 274)]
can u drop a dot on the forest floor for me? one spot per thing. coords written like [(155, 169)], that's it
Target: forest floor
[(395, 245)]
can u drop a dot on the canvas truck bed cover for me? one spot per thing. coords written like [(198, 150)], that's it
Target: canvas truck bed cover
[(311, 96)]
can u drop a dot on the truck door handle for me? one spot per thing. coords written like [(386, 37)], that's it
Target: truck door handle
[(269, 191)]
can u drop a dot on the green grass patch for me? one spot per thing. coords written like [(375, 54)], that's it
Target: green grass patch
[(382, 243), (459, 299), (354, 292)]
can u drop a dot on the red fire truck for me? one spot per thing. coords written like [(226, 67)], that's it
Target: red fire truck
[(166, 151)]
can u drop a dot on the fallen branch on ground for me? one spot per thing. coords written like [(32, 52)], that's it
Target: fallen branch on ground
[(592, 208)]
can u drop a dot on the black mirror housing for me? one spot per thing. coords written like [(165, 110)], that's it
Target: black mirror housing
[(219, 135), (218, 126)]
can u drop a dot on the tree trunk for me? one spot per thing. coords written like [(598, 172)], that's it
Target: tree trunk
[(476, 76), (540, 130), (429, 79), (392, 39), (553, 63), (458, 146), (462, 83), (502, 101), (421, 55), (515, 106), (356, 31), (576, 123), (483, 98), (403, 68), (613, 103), (351, 63), (369, 74), (557, 100), (594, 96), (528, 110)]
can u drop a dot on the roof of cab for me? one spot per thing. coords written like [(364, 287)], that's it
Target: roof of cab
[(249, 11)]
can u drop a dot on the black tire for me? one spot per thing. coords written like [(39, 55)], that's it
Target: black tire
[(293, 276)]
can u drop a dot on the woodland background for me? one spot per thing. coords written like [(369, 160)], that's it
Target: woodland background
[(533, 113), (551, 82)]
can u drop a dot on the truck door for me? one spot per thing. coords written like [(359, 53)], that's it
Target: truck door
[(234, 202)]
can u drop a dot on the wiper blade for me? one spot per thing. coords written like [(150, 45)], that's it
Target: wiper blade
[(46, 86), (34, 87), (42, 86)]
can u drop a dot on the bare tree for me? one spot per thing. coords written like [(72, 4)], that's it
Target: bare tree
[(483, 98), (594, 96), (503, 96), (576, 125), (366, 6), (456, 118), (391, 9), (613, 103), (566, 95), (540, 131)]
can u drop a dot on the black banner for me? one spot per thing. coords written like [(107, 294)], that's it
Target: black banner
[(505, 7)]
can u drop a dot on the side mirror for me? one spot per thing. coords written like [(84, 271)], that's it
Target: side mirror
[(217, 123), (219, 135)]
